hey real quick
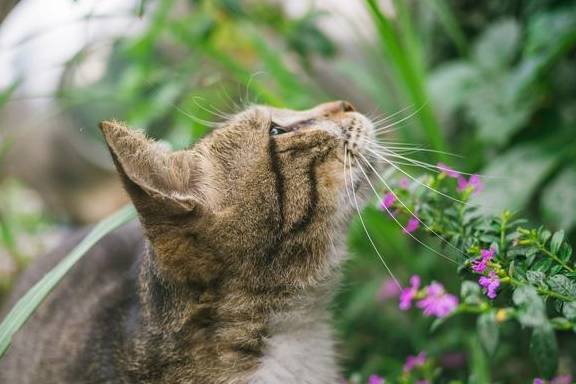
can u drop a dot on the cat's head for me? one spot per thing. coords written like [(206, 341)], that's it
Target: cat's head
[(264, 197)]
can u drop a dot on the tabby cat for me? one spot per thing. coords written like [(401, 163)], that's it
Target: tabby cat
[(228, 274)]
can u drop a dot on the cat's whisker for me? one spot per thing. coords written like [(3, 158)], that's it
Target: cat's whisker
[(408, 209), (391, 116), (415, 179), (383, 129), (198, 120), (360, 216), (211, 109), (246, 101), (393, 147), (428, 166), (226, 96)]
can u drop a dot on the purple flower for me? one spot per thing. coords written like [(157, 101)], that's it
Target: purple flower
[(538, 381), (412, 225), (404, 183), (387, 201), (565, 379), (448, 171), (473, 182), (437, 302), (388, 290), (414, 361), (490, 284), (375, 379), (408, 294), (486, 255)]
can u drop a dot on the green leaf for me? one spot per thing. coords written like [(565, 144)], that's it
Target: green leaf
[(544, 350), (535, 277), (26, 306), (513, 177), (498, 45), (563, 285), (556, 241), (470, 292), (545, 235), (551, 32), (531, 309), (479, 364), (559, 199), (451, 83), (569, 310), (488, 332)]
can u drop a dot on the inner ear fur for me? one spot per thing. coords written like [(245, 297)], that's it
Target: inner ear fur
[(151, 174), (163, 187)]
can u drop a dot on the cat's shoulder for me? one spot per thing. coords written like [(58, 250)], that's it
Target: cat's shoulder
[(113, 255)]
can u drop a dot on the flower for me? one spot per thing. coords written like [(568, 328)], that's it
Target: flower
[(486, 255), (408, 294), (375, 379), (414, 361), (490, 284), (404, 183), (388, 290), (448, 171), (387, 201), (437, 302), (565, 379), (473, 182), (412, 225)]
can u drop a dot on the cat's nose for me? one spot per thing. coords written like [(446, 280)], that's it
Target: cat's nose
[(333, 108)]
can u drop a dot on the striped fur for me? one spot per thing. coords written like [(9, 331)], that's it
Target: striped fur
[(229, 275)]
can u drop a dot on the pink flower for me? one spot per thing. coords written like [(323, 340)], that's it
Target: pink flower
[(448, 171), (412, 225), (490, 284), (414, 361), (486, 255), (437, 302), (565, 379), (404, 183), (387, 201), (408, 294), (375, 379), (388, 290), (473, 182)]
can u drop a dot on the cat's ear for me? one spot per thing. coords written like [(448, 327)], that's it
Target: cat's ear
[(158, 181)]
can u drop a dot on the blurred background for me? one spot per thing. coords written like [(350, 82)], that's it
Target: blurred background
[(492, 82)]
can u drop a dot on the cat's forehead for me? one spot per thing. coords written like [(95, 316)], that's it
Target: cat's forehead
[(284, 116)]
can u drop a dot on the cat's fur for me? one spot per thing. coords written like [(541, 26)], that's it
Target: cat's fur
[(230, 277)]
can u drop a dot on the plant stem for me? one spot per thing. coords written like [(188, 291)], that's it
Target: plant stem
[(542, 249), (542, 291)]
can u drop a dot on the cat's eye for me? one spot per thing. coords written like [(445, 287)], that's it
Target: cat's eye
[(276, 130)]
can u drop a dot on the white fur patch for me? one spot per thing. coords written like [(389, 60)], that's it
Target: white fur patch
[(299, 351)]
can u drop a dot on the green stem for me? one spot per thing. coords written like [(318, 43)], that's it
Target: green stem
[(542, 291), (504, 218), (542, 249)]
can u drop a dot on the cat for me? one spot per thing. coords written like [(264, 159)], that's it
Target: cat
[(228, 274)]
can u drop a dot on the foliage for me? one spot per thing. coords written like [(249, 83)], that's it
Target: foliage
[(492, 81)]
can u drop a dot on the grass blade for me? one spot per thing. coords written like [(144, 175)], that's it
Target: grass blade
[(404, 56), (26, 306)]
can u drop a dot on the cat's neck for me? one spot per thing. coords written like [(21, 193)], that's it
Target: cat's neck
[(251, 331)]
